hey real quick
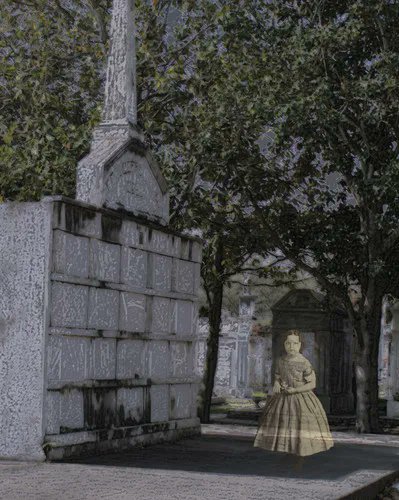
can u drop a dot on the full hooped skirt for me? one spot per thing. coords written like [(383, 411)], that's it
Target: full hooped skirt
[(294, 423)]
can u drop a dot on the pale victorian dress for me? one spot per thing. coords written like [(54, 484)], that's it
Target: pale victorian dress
[(294, 423)]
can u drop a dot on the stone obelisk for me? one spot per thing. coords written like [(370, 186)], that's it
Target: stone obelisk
[(120, 106), (108, 176)]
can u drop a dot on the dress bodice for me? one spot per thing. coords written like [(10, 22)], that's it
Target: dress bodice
[(294, 372)]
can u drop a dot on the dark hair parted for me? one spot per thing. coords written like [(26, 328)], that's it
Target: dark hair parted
[(295, 332)]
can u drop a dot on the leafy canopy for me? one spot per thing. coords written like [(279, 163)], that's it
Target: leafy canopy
[(51, 67), (329, 188)]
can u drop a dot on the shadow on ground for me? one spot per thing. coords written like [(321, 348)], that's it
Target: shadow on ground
[(233, 455)]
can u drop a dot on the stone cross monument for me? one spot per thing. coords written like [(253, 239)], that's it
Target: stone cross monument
[(119, 172), (99, 297)]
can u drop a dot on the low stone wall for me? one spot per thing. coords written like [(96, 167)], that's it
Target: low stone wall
[(117, 319)]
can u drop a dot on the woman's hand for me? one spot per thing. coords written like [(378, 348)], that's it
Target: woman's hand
[(276, 388), (290, 390)]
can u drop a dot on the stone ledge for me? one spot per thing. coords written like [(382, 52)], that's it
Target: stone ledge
[(59, 385), (74, 280), (118, 334), (196, 257), (119, 213), (86, 443)]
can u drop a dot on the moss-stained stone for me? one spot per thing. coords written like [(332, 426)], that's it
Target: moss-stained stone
[(111, 228)]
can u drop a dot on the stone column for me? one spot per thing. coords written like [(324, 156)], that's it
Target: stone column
[(25, 243), (120, 103)]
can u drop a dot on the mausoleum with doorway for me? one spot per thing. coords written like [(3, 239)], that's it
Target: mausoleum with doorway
[(248, 350)]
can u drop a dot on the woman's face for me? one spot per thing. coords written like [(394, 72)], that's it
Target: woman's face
[(292, 344)]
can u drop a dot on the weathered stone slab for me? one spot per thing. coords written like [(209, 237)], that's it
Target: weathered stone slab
[(53, 411), (103, 309), (196, 252), (134, 267), (132, 316), (111, 227), (195, 399), (71, 416), (185, 276), (162, 272), (173, 317), (224, 375), (180, 401), (70, 254), (104, 359), (130, 406), (105, 259), (100, 410), (25, 235), (181, 359), (184, 318), (158, 356), (176, 246), (195, 318), (76, 219), (69, 305), (159, 403), (68, 358), (161, 312), (197, 277), (199, 357), (160, 242), (130, 184), (131, 359), (260, 362), (132, 235), (185, 249)]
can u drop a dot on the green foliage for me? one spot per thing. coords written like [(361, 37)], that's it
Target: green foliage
[(198, 108), (328, 193), (329, 103), (51, 59)]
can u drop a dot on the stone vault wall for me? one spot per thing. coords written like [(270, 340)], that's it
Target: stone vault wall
[(98, 324), (123, 320)]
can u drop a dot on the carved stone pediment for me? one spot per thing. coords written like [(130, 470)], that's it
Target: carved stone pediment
[(132, 185), (120, 173), (300, 299)]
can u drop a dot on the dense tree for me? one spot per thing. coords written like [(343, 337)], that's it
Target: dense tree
[(51, 65), (331, 180), (201, 108)]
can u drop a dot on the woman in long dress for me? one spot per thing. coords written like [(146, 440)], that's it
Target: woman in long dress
[(294, 420)]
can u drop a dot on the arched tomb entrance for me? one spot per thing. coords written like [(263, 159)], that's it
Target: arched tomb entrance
[(327, 343)]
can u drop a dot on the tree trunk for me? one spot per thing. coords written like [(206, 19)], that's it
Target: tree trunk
[(215, 314), (215, 299), (366, 369)]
